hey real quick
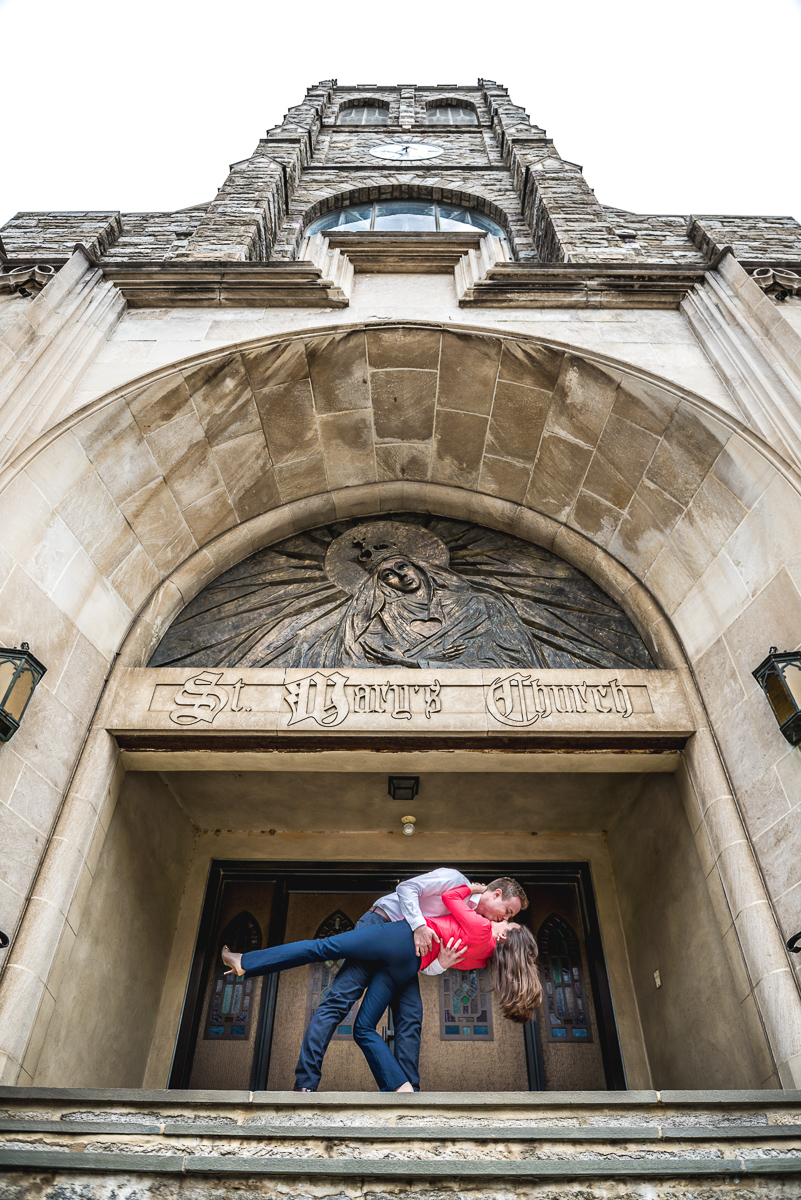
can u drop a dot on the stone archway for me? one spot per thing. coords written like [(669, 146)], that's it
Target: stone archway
[(129, 506)]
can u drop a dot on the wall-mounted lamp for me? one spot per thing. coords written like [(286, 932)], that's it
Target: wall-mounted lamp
[(403, 787), (779, 676), (408, 824), (20, 672)]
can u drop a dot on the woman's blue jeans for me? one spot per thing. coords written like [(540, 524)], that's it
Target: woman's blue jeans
[(391, 944)]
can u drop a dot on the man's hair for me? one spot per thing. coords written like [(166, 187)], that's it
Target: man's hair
[(508, 889)]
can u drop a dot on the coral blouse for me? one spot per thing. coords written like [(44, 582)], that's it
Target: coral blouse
[(465, 923)]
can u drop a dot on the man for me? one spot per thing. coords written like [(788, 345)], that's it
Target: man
[(412, 901)]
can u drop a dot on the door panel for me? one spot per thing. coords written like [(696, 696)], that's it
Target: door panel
[(344, 1066), (569, 1064), (225, 1061)]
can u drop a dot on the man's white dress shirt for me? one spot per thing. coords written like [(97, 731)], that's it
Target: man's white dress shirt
[(421, 897)]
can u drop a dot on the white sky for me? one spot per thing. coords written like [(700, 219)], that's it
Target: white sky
[(685, 107)]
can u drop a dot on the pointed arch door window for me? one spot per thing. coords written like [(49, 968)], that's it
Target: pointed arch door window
[(566, 1000), (232, 1001)]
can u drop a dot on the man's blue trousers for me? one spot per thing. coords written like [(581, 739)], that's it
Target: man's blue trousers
[(381, 957)]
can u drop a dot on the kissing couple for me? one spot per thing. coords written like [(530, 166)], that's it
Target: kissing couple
[(428, 924)]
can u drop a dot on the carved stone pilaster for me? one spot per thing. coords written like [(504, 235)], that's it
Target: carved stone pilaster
[(46, 350), (755, 350)]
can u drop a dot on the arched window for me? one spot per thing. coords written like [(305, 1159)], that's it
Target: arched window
[(566, 1001), (451, 114), (231, 1005), (363, 114), (427, 216)]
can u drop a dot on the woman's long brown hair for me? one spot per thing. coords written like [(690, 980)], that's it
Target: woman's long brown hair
[(517, 979)]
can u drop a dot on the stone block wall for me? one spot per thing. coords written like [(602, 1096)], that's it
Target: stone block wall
[(53, 235), (753, 239)]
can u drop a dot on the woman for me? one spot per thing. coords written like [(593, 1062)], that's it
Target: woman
[(513, 947)]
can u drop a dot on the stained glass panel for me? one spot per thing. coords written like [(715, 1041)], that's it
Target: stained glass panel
[(465, 1006), (563, 982)]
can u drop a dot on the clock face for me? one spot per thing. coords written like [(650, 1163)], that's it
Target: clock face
[(406, 151)]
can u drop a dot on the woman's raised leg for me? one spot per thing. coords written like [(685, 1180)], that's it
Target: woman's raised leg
[(391, 943)]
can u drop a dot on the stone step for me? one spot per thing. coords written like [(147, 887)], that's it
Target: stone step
[(95, 1144)]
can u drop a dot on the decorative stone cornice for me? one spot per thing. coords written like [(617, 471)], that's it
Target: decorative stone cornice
[(322, 280), (484, 279)]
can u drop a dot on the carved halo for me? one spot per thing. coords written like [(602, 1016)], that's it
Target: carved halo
[(342, 565)]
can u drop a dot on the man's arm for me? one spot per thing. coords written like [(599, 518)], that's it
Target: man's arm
[(411, 891)]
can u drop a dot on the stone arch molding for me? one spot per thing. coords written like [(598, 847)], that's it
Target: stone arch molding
[(180, 474), (116, 518)]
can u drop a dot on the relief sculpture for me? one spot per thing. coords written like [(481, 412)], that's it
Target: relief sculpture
[(404, 591)]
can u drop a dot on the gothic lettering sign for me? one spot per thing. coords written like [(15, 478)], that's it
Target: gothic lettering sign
[(201, 699), (360, 700), (522, 700), (406, 591), (319, 698)]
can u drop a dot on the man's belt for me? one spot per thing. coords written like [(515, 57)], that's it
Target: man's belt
[(374, 908)]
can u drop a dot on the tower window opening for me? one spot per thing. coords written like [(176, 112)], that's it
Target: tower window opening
[(363, 114), (407, 216), (451, 114)]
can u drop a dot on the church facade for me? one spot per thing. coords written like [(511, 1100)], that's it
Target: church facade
[(403, 506)]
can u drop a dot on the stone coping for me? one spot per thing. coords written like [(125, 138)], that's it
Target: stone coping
[(450, 1169), (495, 1134), (525, 1101)]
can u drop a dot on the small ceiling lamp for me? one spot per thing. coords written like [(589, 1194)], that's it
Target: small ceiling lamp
[(408, 824), (403, 787), (20, 672), (779, 676)]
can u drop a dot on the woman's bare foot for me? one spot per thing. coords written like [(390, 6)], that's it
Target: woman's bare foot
[(232, 961), (405, 1087)]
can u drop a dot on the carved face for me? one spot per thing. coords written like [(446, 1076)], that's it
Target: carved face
[(401, 575)]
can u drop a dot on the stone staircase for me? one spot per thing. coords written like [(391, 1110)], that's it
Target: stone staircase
[(62, 1144)]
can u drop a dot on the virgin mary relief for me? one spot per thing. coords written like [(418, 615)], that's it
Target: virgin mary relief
[(407, 591)]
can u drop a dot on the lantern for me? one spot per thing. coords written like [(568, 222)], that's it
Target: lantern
[(779, 676), (403, 787), (20, 672)]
